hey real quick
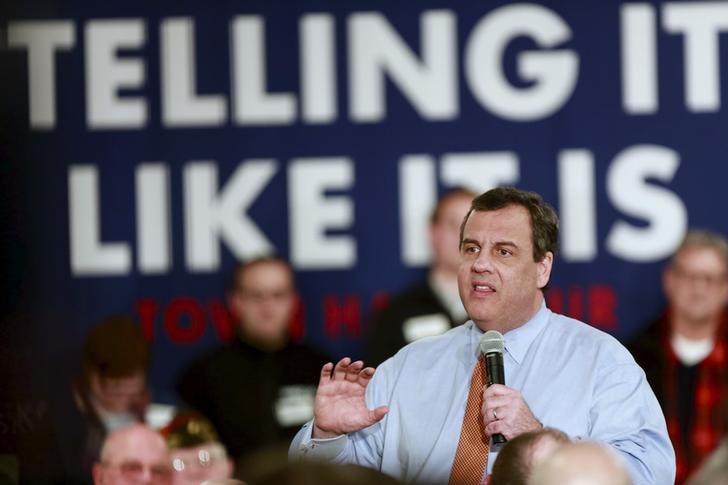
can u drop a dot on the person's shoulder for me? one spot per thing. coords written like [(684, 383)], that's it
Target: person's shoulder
[(212, 358), (421, 356), (434, 345), (417, 290), (194, 378), (648, 346), (579, 337), (305, 351), (443, 339), (417, 298), (647, 336)]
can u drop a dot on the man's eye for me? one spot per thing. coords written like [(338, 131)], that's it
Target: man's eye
[(132, 467), (471, 249), (160, 471), (504, 252)]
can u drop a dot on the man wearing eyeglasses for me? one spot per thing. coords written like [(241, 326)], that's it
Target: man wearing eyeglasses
[(133, 454), (684, 353), (258, 389)]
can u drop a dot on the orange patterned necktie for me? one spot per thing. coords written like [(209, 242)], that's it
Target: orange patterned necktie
[(472, 453)]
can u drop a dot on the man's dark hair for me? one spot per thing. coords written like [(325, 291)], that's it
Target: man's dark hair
[(115, 348), (544, 222), (515, 460)]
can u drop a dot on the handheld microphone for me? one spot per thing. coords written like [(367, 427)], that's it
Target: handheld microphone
[(492, 346)]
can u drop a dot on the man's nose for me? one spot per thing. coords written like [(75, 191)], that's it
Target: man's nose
[(147, 476), (482, 263)]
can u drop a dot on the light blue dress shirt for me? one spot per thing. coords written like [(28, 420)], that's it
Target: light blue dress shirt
[(574, 378)]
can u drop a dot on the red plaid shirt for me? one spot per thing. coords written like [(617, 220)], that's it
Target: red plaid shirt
[(708, 407)]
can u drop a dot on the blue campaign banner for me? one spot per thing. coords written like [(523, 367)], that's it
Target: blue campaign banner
[(148, 146)]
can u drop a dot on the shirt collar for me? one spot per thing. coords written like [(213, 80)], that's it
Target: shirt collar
[(519, 339)]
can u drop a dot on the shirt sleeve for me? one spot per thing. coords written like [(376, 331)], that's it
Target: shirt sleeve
[(626, 415), (363, 447), (328, 449)]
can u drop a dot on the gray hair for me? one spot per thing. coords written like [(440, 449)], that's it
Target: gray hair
[(704, 239)]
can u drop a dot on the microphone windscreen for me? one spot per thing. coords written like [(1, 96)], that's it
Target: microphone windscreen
[(492, 341)]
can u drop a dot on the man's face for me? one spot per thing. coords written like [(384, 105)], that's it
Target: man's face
[(134, 455), (264, 300), (445, 231), (119, 394), (196, 464), (498, 279), (696, 284)]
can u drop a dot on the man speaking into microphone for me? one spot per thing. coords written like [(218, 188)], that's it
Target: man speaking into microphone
[(427, 416)]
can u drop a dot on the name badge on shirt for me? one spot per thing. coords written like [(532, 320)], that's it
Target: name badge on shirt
[(421, 326), (294, 405)]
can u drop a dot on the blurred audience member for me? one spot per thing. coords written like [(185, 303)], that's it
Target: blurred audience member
[(316, 473), (581, 463), (271, 467), (262, 462), (196, 452), (134, 454), (432, 306), (112, 389), (683, 353), (714, 470), (223, 481), (260, 388), (520, 454)]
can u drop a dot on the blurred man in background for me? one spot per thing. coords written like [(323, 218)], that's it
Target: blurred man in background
[(133, 454), (432, 306), (683, 353), (196, 452), (260, 388), (111, 391)]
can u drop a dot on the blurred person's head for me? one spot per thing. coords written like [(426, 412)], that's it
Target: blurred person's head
[(113, 385), (195, 450), (445, 223), (270, 466), (519, 455), (134, 454), (316, 472), (223, 481), (695, 281), (262, 299), (581, 463)]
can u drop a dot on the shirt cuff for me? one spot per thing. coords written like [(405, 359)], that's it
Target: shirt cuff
[(325, 449)]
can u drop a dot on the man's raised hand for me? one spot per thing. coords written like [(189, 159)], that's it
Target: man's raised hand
[(340, 406)]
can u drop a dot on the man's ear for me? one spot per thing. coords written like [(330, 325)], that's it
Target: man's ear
[(668, 281), (97, 472), (235, 305), (544, 269)]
